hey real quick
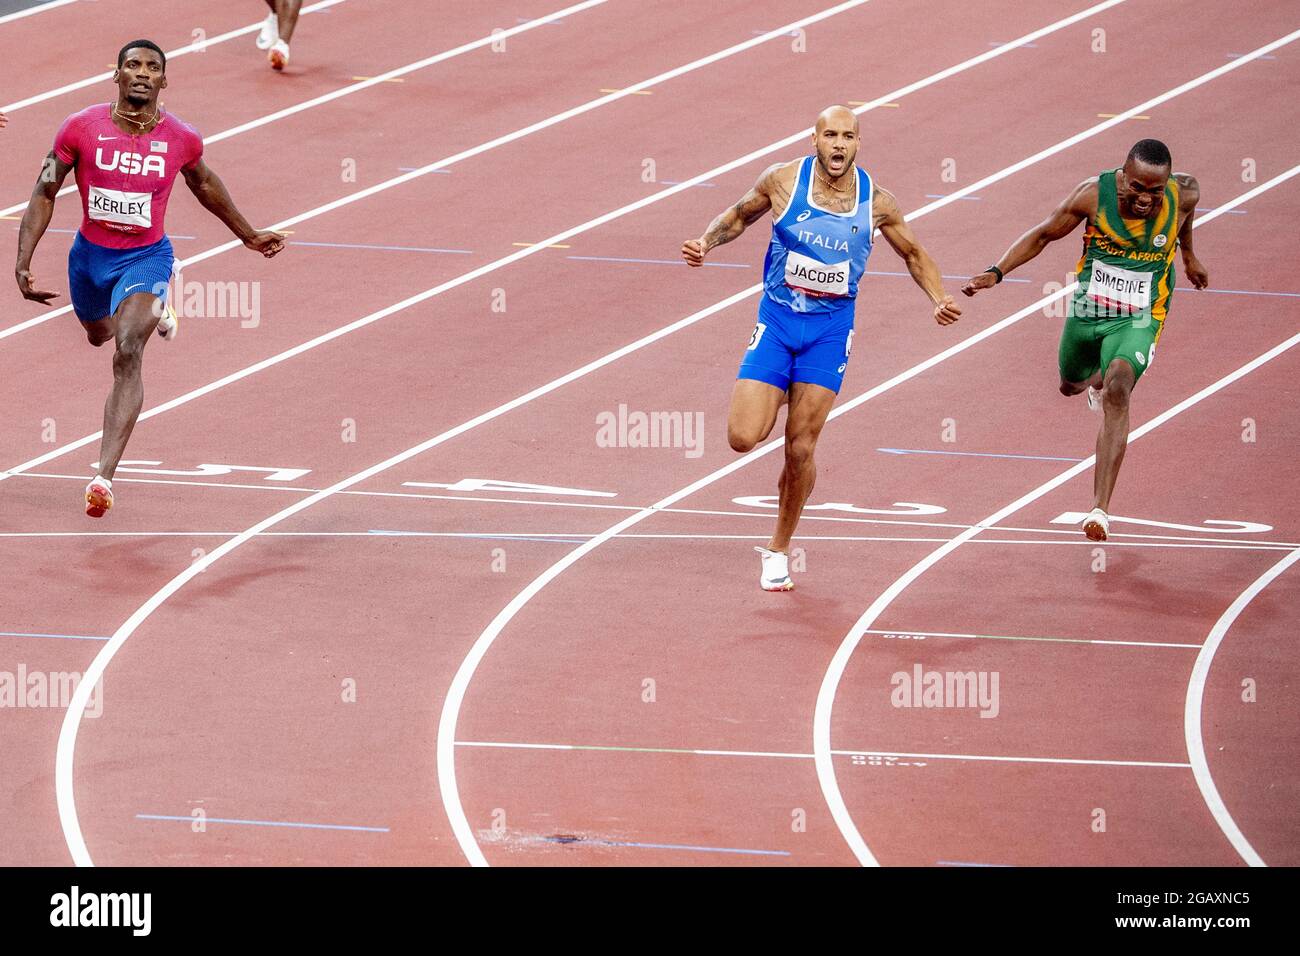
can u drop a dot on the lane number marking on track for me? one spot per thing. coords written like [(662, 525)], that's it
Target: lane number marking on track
[(132, 467), (522, 487), (1225, 527), (876, 760)]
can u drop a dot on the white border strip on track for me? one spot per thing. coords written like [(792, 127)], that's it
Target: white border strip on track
[(1193, 717)]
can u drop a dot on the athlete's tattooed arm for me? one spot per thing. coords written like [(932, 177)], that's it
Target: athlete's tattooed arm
[(40, 209), (1189, 191), (1077, 207), (770, 192), (888, 218), (211, 192)]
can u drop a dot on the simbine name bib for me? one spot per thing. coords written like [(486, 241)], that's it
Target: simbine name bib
[(1118, 289)]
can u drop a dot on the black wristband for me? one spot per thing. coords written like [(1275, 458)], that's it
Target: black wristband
[(996, 271)]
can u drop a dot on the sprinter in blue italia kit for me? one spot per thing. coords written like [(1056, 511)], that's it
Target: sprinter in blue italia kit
[(825, 211)]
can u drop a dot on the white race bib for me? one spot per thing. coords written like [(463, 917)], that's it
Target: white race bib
[(819, 278), (117, 210), (1119, 290)]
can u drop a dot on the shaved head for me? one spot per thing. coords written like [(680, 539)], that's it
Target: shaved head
[(835, 138), (837, 117)]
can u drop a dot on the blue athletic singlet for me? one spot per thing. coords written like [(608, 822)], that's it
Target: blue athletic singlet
[(816, 256)]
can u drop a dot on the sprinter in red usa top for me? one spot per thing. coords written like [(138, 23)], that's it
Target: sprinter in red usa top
[(126, 154), (824, 210)]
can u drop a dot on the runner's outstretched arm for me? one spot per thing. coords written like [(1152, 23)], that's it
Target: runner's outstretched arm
[(36, 219), (730, 224), (211, 192), (1063, 221), (888, 218)]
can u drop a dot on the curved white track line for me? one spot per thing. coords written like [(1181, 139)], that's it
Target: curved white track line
[(66, 752), (68, 731), (464, 674), (1192, 717), (830, 683)]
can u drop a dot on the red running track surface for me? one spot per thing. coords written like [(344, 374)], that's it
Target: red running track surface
[(642, 702)]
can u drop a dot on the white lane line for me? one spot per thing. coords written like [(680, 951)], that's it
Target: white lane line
[(32, 11), (618, 213), (460, 684), (196, 47), (356, 87), (999, 759), (831, 680), (1026, 637), (610, 216), (473, 151), (512, 745), (563, 535), (1139, 539), (590, 224), (1193, 718), (66, 750)]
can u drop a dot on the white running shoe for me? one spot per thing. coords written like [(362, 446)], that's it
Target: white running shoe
[(169, 324), (776, 571), (279, 55), (270, 32), (1094, 399), (1096, 525)]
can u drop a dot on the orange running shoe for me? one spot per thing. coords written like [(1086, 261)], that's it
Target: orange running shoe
[(279, 55), (99, 497), (1097, 525)]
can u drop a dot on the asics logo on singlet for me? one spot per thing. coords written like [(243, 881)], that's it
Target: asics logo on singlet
[(803, 215), (132, 163)]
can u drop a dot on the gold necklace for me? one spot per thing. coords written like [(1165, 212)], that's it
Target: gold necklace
[(830, 185), (127, 116)]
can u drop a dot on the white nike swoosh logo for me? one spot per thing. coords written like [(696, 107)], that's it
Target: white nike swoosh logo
[(136, 286), (102, 138)]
